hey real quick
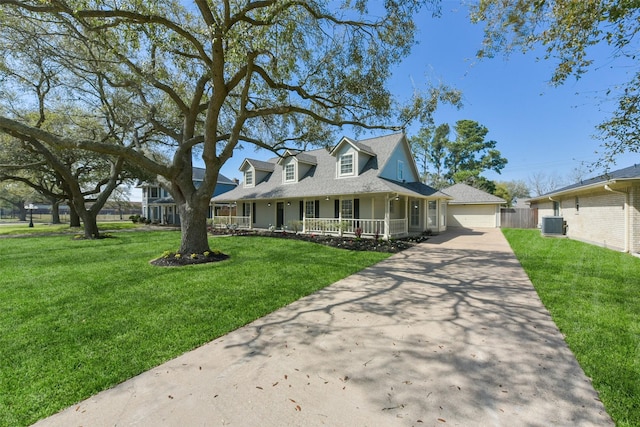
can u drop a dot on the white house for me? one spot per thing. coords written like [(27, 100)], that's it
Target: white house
[(159, 206), (369, 187)]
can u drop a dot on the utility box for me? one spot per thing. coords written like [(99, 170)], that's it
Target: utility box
[(552, 226)]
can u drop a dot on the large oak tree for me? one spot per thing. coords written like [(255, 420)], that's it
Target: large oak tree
[(207, 77)]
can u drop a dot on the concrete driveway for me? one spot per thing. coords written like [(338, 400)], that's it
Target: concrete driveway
[(450, 332)]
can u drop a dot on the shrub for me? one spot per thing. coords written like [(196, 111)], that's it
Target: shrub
[(358, 232)]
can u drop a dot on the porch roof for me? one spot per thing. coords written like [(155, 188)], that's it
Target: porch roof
[(321, 181)]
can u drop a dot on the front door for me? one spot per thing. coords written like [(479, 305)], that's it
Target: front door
[(279, 214)]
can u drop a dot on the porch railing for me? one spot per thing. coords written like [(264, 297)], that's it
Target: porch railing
[(397, 226), (370, 227), (239, 221)]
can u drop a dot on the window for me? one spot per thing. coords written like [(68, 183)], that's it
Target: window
[(248, 178), (310, 209), (246, 209), (432, 216), (392, 206), (347, 209), (290, 172), (400, 170), (154, 192), (414, 215), (556, 208), (346, 164)]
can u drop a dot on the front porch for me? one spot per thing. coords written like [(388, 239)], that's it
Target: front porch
[(390, 217)]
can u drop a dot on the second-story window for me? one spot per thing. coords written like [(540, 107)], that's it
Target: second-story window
[(290, 172), (248, 178), (400, 170), (346, 164), (153, 192)]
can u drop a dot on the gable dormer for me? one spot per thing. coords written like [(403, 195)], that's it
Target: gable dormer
[(400, 165), (351, 157), (255, 171), (295, 165)]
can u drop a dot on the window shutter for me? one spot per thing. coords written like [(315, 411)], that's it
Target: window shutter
[(301, 210), (317, 209), (356, 208), (253, 213), (336, 208)]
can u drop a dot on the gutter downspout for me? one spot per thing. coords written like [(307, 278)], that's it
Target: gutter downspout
[(626, 213)]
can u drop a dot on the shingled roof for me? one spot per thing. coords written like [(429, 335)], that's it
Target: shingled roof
[(625, 174), (464, 194), (320, 180)]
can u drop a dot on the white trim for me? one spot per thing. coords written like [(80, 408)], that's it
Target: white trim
[(353, 164), (284, 172), (252, 173)]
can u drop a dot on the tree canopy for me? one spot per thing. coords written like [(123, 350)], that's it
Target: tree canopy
[(171, 79), (568, 30), (461, 160)]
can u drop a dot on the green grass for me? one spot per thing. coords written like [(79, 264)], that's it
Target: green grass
[(79, 316), (593, 295), (38, 228)]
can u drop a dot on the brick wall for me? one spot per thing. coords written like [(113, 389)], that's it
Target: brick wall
[(598, 218), (634, 213)]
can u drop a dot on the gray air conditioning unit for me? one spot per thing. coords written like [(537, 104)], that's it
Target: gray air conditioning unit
[(552, 226)]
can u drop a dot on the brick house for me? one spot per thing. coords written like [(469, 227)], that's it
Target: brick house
[(604, 210)]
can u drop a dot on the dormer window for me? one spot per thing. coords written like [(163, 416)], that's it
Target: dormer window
[(248, 178), (346, 164), (290, 172)]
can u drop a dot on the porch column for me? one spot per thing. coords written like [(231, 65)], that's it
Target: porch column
[(386, 234), (304, 216), (406, 215), (425, 215)]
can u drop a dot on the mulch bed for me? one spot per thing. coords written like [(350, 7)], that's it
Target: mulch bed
[(349, 243), (176, 260)]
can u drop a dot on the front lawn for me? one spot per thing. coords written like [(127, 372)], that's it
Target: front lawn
[(42, 229), (79, 316), (593, 295)]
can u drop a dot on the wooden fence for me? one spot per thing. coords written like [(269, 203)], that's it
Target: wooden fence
[(518, 218)]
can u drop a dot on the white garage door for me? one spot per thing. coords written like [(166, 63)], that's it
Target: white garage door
[(471, 216)]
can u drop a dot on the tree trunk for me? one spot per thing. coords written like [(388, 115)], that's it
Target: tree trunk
[(74, 218), (55, 211), (193, 224), (90, 223)]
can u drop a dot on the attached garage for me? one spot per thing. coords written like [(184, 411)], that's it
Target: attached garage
[(472, 208)]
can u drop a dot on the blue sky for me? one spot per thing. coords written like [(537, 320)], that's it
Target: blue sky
[(539, 128)]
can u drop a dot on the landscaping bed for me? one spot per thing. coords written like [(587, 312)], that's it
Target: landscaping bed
[(345, 242)]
